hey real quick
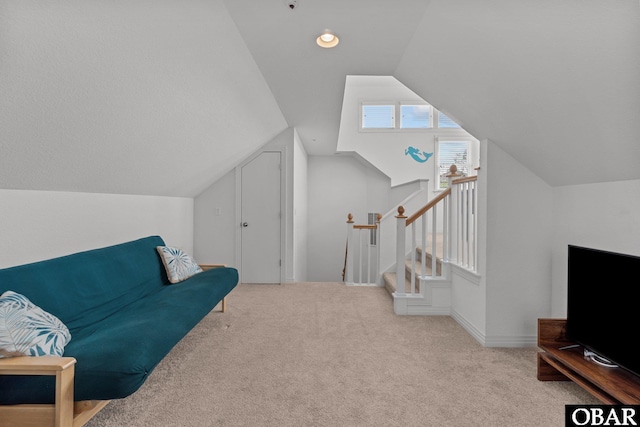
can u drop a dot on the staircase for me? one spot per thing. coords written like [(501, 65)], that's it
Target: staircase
[(446, 226), (389, 278), (432, 294)]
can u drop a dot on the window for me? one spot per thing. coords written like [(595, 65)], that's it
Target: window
[(452, 152), (415, 116), (376, 116), (397, 116), (372, 218), (446, 122)]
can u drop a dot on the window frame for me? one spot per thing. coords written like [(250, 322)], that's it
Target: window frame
[(470, 156), (434, 117), (372, 129), (415, 104), (446, 128)]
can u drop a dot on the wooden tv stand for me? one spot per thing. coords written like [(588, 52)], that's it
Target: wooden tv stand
[(613, 386)]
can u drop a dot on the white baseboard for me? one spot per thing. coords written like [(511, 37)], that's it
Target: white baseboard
[(469, 327), (423, 310), (514, 341)]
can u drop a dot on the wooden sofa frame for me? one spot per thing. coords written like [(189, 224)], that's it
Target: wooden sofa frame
[(64, 412)]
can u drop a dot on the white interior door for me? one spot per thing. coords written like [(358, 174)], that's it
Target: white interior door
[(260, 219)]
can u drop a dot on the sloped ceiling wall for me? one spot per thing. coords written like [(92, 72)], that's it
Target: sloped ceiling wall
[(140, 97), (554, 84), (164, 97)]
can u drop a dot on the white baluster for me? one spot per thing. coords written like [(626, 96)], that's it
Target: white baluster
[(445, 229), (475, 226), (413, 258), (434, 258), (360, 256), (368, 257), (470, 218), (465, 230)]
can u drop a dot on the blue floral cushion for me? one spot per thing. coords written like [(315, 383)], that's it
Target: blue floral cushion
[(28, 330), (179, 265)]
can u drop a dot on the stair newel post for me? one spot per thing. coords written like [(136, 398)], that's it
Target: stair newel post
[(349, 254), (454, 215), (401, 224)]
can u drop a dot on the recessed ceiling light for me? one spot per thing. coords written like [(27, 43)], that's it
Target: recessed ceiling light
[(327, 39)]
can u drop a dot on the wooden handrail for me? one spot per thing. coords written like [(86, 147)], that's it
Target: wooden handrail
[(357, 227), (428, 206), (366, 227), (465, 179), (437, 199)]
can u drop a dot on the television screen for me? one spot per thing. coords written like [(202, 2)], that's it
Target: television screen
[(602, 305)]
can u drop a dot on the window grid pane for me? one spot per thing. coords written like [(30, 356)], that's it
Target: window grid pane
[(415, 116), (445, 122), (378, 117), (452, 153)]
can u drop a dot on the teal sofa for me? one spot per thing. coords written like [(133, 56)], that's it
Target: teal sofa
[(123, 314)]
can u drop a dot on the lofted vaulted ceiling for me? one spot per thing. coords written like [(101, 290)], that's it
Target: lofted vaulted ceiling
[(308, 81), (164, 97), (556, 84)]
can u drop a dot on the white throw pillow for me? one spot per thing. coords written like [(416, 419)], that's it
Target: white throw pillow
[(179, 265), (28, 330)]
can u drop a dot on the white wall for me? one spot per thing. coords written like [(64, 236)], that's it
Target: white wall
[(158, 98), (339, 185), (386, 150), (602, 216), (217, 221), (300, 210), (518, 249), (492, 64), (38, 225), (469, 297)]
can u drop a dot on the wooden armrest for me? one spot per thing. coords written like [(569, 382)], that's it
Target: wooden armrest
[(206, 267), (28, 365), (60, 414)]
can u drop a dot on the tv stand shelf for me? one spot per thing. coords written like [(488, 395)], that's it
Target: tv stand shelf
[(610, 385)]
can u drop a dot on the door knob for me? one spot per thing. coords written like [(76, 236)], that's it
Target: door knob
[(245, 224)]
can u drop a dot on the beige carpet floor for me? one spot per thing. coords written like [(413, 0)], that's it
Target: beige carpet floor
[(323, 354)]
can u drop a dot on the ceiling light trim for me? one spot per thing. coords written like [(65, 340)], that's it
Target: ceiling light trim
[(327, 39)]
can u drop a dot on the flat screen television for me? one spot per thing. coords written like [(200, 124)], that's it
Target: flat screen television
[(603, 308)]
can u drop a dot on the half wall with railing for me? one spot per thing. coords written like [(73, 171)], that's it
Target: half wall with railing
[(361, 262), (434, 242), (426, 242)]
